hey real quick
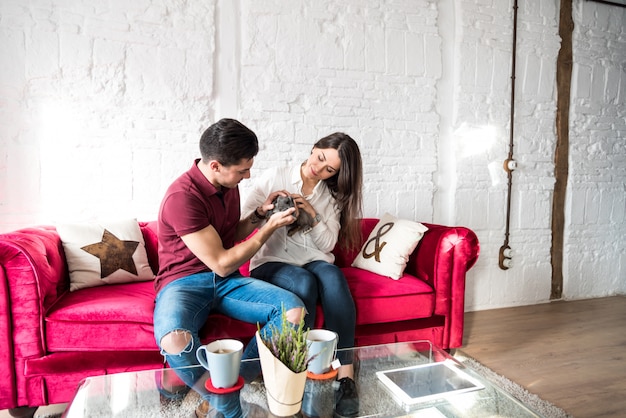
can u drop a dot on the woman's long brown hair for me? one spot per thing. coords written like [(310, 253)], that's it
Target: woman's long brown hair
[(346, 186)]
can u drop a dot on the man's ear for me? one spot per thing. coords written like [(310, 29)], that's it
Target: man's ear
[(214, 165)]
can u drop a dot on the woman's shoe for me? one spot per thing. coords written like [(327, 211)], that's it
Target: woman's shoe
[(346, 398)]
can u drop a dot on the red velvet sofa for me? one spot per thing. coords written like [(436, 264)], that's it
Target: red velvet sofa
[(52, 338)]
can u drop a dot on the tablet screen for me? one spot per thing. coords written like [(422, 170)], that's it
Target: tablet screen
[(426, 382)]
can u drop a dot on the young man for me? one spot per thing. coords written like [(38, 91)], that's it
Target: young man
[(198, 226)]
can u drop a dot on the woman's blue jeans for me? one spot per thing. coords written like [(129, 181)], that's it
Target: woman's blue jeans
[(185, 304), (312, 281)]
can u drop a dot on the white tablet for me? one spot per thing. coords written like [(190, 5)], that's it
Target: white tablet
[(427, 382)]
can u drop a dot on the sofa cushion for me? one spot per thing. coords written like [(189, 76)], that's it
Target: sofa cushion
[(114, 317), (380, 300), (388, 247), (104, 253)]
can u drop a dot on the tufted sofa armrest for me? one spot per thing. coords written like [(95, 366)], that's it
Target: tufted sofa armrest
[(33, 275), (442, 259)]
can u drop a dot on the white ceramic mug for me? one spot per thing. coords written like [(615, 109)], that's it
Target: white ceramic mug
[(222, 358), (322, 344)]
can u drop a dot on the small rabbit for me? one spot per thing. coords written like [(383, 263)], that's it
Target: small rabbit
[(304, 221)]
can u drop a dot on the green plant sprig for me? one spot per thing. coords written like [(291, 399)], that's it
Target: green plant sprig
[(288, 343)]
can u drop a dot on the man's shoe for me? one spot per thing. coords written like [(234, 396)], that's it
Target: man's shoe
[(346, 398), (202, 411)]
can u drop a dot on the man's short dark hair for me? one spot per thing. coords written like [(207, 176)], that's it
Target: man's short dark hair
[(228, 141)]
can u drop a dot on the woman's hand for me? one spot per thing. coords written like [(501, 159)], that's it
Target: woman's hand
[(303, 204)]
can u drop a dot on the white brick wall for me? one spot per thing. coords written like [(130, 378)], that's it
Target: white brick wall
[(313, 68), (102, 105), (483, 97), (595, 253)]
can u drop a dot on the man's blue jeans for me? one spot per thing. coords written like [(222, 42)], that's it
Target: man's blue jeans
[(185, 304)]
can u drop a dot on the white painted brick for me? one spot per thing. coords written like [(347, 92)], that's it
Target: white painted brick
[(355, 44), (414, 52), (597, 84), (395, 51), (532, 68), (374, 69), (75, 52), (433, 57), (467, 64), (484, 69), (105, 52), (10, 46), (618, 208), (42, 52), (534, 210), (612, 84), (374, 48)]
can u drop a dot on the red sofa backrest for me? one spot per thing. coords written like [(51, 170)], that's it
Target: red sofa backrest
[(149, 231), (345, 257)]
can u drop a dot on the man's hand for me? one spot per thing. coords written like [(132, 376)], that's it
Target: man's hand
[(268, 205), (280, 219)]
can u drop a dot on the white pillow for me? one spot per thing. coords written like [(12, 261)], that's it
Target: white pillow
[(105, 253), (386, 251)]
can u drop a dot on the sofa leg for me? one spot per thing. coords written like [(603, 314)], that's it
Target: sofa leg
[(23, 412)]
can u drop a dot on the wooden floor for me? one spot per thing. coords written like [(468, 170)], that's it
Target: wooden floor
[(572, 353)]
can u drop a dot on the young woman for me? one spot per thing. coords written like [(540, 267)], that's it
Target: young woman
[(328, 186)]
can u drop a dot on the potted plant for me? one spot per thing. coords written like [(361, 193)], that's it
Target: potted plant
[(284, 360)]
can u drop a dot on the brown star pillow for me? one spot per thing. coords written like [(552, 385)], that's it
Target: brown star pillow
[(104, 253)]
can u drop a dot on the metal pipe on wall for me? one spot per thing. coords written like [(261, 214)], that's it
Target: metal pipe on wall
[(505, 260)]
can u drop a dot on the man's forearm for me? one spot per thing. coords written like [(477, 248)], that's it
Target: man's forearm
[(249, 224), (244, 251)]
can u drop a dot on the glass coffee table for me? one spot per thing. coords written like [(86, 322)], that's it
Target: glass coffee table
[(160, 393)]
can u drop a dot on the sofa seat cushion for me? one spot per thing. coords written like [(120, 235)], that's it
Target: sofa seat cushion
[(380, 299), (103, 318)]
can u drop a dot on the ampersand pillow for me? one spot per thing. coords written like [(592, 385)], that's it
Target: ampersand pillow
[(386, 251), (104, 253)]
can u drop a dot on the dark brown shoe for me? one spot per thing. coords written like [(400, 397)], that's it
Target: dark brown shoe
[(202, 411)]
